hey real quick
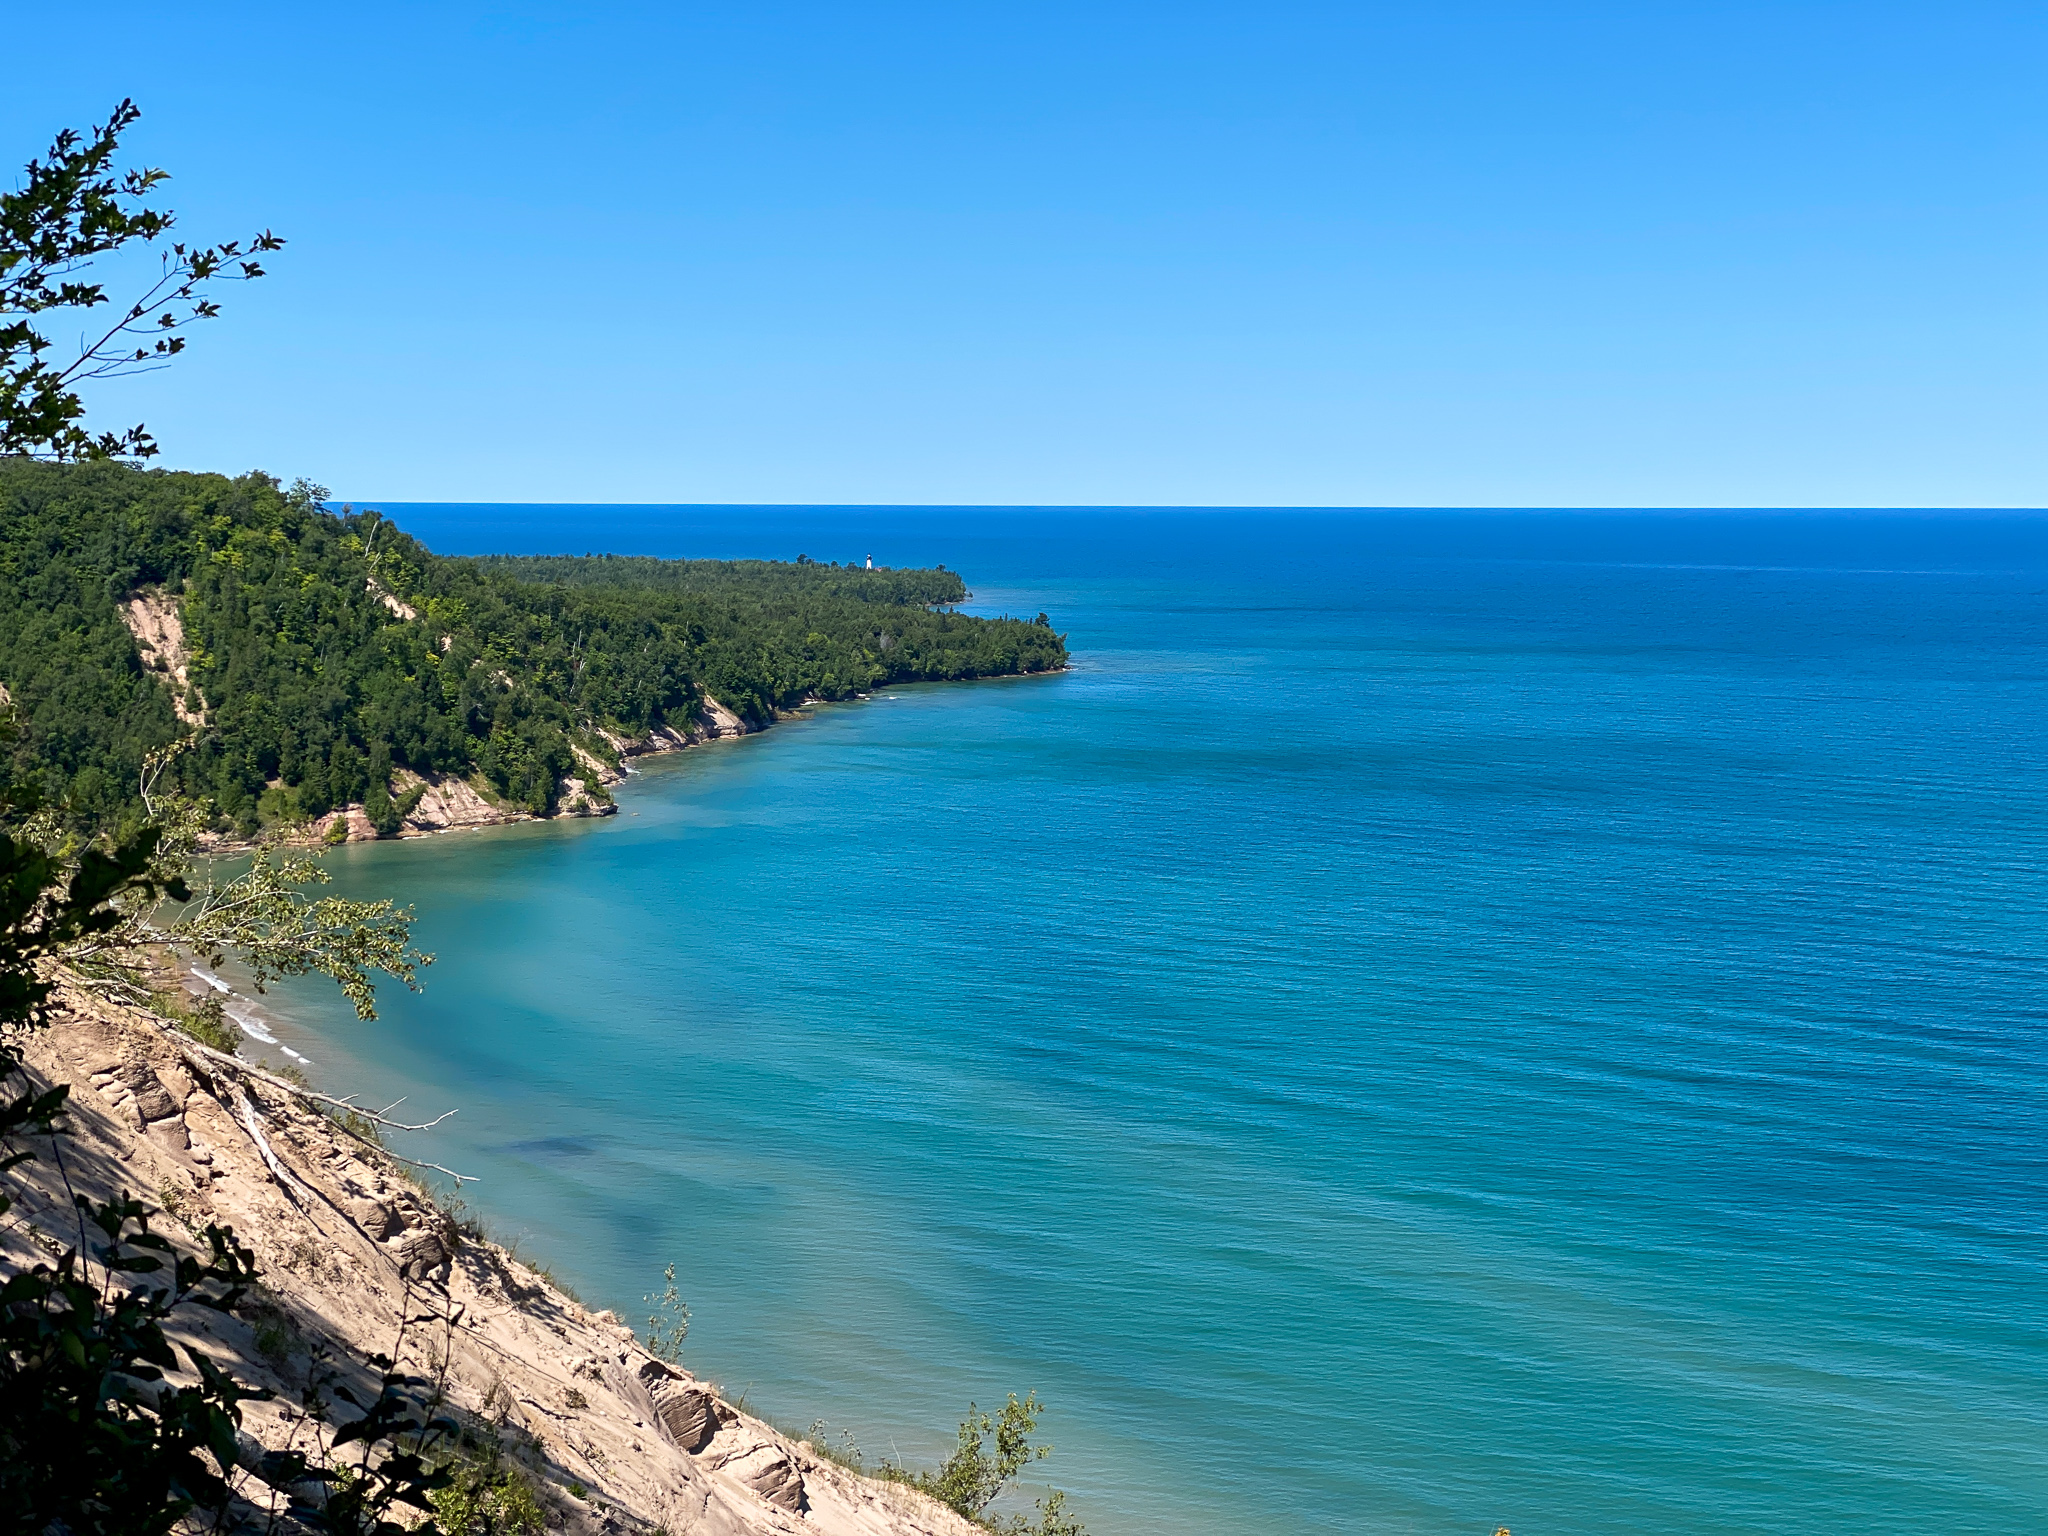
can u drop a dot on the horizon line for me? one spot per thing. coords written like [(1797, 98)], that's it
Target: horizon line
[(1673, 509)]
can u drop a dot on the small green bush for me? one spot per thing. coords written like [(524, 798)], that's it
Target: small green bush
[(487, 1496), (273, 1341), (669, 1324), (205, 1020), (973, 1478)]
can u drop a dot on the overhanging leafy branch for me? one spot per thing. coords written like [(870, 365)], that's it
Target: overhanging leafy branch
[(71, 209)]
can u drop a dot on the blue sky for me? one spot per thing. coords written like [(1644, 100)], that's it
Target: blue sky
[(1455, 254)]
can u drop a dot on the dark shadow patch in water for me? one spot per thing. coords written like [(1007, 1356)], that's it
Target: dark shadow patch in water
[(553, 1148)]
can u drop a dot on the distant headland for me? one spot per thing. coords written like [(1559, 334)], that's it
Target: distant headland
[(321, 676)]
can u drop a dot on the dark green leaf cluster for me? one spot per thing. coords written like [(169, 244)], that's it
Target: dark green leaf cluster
[(48, 905), (328, 650), (92, 1438)]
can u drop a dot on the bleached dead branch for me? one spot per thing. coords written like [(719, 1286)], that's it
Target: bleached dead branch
[(196, 1052)]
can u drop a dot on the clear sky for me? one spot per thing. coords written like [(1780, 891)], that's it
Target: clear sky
[(1434, 254)]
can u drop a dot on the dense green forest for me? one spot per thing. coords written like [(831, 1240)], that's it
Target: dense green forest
[(328, 649), (736, 578)]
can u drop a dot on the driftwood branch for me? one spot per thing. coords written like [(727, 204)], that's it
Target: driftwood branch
[(193, 1049), (120, 988), (278, 1170), (284, 1085), (378, 1115)]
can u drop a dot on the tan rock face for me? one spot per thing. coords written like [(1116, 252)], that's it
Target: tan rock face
[(714, 722), (719, 721), (152, 618), (353, 821), (686, 1410), (373, 1217), (423, 1257), (771, 1473), (396, 604), (354, 1252), (448, 802)]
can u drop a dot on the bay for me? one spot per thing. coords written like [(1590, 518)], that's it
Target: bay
[(1438, 1020)]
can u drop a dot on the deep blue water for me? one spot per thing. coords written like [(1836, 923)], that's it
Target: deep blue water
[(1437, 1021)]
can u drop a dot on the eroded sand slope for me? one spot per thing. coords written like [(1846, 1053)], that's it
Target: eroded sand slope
[(348, 1248)]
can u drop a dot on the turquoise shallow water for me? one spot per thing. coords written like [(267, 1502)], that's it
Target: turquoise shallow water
[(1434, 1022)]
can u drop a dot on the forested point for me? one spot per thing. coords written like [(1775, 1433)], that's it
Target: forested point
[(325, 650), (928, 589)]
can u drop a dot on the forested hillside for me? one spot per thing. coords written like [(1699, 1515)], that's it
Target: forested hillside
[(325, 651)]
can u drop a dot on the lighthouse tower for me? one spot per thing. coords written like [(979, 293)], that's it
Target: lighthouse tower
[(871, 562)]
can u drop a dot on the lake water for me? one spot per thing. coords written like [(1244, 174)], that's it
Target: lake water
[(1436, 1021)]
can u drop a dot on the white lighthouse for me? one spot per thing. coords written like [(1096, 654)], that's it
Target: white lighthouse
[(871, 562)]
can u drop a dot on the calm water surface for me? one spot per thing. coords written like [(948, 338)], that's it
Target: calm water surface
[(1434, 1022)]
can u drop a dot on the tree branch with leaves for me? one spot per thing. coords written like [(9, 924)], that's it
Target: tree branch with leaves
[(261, 914), (73, 208)]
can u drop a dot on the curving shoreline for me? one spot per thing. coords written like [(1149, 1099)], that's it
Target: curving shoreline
[(449, 803), (709, 1468), (355, 1254)]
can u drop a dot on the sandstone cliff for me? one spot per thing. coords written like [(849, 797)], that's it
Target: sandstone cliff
[(152, 618), (613, 1439), (444, 802)]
